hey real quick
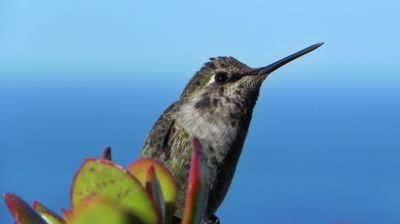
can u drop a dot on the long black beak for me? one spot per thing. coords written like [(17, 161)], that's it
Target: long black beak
[(274, 66)]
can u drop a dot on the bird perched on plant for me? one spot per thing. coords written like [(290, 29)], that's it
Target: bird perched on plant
[(216, 107)]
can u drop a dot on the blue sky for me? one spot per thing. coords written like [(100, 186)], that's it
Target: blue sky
[(323, 146), (127, 35)]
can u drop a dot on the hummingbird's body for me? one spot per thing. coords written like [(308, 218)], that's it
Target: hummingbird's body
[(216, 107)]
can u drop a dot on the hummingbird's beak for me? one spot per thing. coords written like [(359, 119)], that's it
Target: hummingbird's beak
[(272, 67)]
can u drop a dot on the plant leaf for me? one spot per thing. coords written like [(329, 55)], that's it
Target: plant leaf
[(99, 211), (67, 214), (107, 154), (21, 211), (140, 169), (48, 215), (197, 191), (109, 181), (153, 188)]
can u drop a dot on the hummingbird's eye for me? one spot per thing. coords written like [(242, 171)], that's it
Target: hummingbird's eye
[(221, 77)]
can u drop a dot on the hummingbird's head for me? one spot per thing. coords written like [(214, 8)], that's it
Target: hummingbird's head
[(226, 87), (221, 82)]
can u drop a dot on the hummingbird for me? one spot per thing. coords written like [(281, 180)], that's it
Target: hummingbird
[(216, 106)]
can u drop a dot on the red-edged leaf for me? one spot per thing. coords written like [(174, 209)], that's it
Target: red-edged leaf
[(197, 191), (48, 215), (109, 181), (21, 211), (140, 169), (67, 214), (153, 188)]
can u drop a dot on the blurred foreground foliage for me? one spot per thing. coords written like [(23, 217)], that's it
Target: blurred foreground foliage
[(105, 193)]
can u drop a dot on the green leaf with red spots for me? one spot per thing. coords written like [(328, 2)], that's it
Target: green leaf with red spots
[(197, 191), (109, 181), (21, 211), (140, 169), (47, 214), (100, 211)]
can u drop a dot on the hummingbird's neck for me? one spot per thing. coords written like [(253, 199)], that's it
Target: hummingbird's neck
[(221, 124)]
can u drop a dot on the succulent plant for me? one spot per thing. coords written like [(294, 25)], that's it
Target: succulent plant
[(103, 192)]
